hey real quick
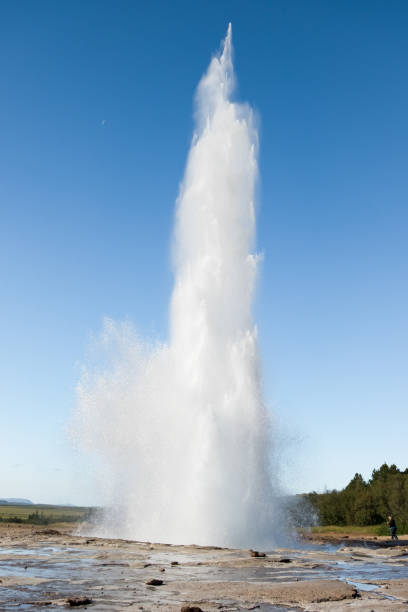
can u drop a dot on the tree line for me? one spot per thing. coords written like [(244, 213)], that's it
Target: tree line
[(366, 502)]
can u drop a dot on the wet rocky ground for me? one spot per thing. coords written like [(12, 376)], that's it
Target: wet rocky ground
[(42, 568)]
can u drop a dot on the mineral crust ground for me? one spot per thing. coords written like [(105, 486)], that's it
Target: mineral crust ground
[(52, 568)]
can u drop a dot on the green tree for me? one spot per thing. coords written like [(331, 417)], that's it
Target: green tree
[(365, 503)]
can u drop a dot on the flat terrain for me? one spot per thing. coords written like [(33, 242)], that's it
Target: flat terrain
[(371, 530), (42, 567), (354, 535), (52, 513)]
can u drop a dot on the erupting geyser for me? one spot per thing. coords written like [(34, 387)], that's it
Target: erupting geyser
[(181, 428)]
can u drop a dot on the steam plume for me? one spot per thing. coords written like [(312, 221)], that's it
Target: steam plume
[(182, 427)]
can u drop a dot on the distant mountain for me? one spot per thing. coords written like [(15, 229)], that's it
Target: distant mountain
[(15, 500)]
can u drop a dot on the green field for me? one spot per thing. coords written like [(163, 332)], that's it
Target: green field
[(356, 530), (348, 529), (42, 514)]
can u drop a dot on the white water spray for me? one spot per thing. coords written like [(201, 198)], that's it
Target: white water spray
[(182, 428)]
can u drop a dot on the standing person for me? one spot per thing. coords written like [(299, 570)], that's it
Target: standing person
[(393, 528)]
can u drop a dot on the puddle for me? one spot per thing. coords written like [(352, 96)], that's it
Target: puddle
[(364, 586), (41, 550), (20, 551)]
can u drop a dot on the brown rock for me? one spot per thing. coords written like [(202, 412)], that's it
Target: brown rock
[(256, 553), (78, 601), (154, 582), (191, 609)]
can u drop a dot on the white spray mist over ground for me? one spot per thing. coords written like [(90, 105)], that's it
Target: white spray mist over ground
[(182, 427)]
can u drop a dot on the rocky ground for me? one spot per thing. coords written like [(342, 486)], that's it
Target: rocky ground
[(51, 568)]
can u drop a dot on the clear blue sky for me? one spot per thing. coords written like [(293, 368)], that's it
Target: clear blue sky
[(96, 120)]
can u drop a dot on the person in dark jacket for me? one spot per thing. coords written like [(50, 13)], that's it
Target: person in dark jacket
[(393, 528)]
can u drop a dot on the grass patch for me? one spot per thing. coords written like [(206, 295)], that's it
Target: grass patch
[(41, 514), (369, 530), (349, 529)]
